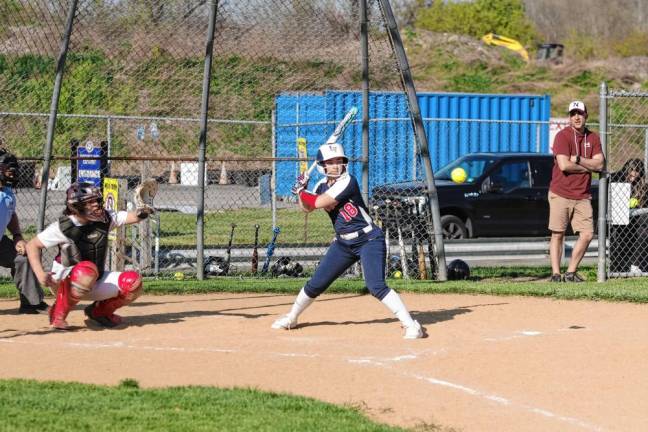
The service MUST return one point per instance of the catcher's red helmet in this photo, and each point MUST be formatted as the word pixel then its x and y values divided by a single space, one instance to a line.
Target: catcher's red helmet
pixel 77 197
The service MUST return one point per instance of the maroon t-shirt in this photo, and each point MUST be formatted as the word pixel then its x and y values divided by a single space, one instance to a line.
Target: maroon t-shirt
pixel 570 142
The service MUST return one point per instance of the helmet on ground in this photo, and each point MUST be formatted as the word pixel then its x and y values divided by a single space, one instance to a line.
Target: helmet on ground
pixel 8 168
pixel 286 266
pixel 81 193
pixel 216 266
pixel 458 270
pixel 328 152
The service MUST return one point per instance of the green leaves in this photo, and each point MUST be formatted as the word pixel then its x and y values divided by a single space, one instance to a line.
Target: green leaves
pixel 504 17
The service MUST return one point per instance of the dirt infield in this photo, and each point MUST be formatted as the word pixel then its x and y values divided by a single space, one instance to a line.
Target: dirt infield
pixel 489 363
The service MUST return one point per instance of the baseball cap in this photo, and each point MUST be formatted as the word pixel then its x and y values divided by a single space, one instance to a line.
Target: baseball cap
pixel 577 105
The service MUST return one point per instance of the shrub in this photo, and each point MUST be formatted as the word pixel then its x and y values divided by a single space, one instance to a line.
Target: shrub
pixel 635 44
pixel 504 17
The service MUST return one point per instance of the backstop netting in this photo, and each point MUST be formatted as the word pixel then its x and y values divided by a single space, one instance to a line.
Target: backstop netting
pixel 283 74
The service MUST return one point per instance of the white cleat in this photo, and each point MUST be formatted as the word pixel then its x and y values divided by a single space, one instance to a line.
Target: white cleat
pixel 285 322
pixel 414 331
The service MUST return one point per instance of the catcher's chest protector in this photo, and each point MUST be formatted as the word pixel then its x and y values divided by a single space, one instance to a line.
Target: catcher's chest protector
pixel 91 239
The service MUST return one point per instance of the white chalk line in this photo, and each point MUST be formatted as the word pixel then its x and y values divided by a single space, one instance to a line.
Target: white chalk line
pixel 516 335
pixel 476 393
pixel 123 345
pixel 385 363
pixel 507 402
pixel 529 333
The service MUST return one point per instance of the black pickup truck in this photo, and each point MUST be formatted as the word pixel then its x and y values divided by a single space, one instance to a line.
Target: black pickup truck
pixel 504 195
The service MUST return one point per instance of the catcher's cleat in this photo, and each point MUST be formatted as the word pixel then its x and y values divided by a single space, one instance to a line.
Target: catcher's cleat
pixel 285 322
pixel 56 321
pixel 111 321
pixel 415 331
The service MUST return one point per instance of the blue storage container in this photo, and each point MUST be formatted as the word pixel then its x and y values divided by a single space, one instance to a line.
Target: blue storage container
pixel 455 123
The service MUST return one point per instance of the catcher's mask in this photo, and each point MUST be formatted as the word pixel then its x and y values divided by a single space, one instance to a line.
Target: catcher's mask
pixel 286 266
pixel 458 270
pixel 8 168
pixel 331 151
pixel 78 196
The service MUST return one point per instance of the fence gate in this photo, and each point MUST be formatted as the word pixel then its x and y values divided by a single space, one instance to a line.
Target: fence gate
pixel 627 165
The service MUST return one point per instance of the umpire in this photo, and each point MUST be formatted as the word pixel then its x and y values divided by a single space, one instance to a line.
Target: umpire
pixel 12 251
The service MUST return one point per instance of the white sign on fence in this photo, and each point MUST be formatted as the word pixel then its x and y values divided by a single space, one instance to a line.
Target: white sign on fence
pixel 189 174
pixel 619 203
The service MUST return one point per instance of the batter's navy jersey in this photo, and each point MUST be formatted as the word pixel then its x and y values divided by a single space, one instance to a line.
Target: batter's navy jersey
pixel 350 214
pixel 363 241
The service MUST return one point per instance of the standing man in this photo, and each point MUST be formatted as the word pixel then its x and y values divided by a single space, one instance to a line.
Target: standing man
pixel 13 251
pixel 577 153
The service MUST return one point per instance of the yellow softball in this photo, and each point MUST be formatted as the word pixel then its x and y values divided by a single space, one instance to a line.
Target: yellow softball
pixel 458 175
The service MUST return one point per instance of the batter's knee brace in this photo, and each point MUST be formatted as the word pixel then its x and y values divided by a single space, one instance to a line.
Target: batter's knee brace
pixel 83 277
pixel 130 285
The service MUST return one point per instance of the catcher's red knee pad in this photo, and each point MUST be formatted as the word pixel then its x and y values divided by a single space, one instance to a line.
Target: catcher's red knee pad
pixel 83 277
pixel 130 284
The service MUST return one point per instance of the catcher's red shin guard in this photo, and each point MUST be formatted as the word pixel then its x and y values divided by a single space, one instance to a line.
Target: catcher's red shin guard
pixel 103 312
pixel 70 291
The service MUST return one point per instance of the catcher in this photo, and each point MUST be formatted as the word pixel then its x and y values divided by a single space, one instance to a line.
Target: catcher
pixel 81 234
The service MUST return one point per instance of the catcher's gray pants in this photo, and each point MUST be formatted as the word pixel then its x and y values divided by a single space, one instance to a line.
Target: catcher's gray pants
pixel 24 278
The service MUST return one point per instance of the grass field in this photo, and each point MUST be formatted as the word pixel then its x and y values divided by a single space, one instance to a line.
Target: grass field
pixel 53 406
pixel 180 229
pixel 524 281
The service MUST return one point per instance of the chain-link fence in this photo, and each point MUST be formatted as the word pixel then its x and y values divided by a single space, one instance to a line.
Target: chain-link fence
pixel 131 106
pixel 627 163
pixel 283 74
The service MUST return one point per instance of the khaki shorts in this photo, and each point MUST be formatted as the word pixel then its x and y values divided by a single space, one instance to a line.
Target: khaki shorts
pixel 562 211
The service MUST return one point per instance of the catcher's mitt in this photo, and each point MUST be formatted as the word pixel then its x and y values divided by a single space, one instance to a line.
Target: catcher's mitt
pixel 143 197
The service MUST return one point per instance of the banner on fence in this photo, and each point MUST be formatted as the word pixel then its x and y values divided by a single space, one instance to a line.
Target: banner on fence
pixel 111 198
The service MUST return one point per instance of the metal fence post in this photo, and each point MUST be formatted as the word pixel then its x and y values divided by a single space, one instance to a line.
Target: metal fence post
pixel 603 190
pixel 273 174
pixel 204 110
pixel 646 150
pixel 419 131
pixel 47 151
pixel 364 53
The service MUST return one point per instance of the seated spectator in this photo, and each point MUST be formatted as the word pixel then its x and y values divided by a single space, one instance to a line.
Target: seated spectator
pixel 628 244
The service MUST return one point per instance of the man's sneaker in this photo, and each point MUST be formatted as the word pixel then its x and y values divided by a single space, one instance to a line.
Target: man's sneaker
pixel 415 331
pixel 556 278
pixel 573 277
pixel 285 322
pixel 105 321
pixel 26 308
